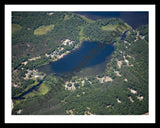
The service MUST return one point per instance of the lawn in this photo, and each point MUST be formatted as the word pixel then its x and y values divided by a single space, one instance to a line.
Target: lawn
pixel 43 29
pixel 109 27
pixel 16 27
pixel 43 89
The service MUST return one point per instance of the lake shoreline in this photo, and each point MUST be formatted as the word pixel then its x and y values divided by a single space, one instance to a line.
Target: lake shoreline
pixel 76 56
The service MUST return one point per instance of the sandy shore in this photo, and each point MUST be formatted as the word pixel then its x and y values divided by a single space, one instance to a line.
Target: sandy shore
pixel 64 54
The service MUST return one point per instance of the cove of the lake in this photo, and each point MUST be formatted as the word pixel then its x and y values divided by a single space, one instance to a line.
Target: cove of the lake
pixel 68 62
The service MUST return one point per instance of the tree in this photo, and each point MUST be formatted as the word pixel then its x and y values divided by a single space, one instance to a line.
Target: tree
pixel 69 84
pixel 76 84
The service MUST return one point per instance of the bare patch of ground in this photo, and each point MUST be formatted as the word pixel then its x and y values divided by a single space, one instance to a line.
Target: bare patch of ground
pixel 119 63
pixel 130 98
pixel 132 91
pixel 70 112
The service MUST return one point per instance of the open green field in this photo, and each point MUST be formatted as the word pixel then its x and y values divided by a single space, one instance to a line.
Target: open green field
pixel 111 27
pixel 16 27
pixel 43 29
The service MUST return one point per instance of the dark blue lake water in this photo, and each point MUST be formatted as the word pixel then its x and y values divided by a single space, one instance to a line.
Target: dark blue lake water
pixel 68 62
pixel 134 19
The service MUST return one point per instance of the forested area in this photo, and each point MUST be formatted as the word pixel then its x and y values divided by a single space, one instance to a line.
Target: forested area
pixel 102 98
pixel 108 93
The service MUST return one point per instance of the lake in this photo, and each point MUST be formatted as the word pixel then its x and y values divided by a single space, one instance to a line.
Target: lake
pixel 134 19
pixel 68 62
pixel 98 63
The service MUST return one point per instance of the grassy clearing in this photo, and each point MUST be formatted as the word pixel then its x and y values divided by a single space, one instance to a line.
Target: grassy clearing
pixel 43 89
pixel 43 29
pixel 16 27
pixel 66 17
pixel 111 27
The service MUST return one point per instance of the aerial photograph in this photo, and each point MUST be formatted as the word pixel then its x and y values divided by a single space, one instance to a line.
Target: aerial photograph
pixel 80 63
